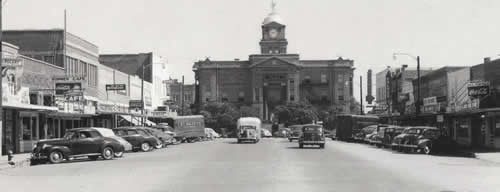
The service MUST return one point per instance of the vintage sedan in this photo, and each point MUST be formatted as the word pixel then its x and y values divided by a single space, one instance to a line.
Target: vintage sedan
pixel 385 134
pixel 164 138
pixel 312 135
pixel 423 139
pixel 138 137
pixel 80 142
pixel 360 137
pixel 109 133
pixel 296 131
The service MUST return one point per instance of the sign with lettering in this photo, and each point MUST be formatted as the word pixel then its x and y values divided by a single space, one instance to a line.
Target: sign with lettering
pixel 135 104
pixel 115 87
pixel 430 101
pixel 478 89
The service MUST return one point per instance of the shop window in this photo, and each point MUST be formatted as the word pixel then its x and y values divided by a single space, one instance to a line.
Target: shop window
pixel 47 100
pixel 462 128
pixel 34 98
pixel 26 127
pixel 497 127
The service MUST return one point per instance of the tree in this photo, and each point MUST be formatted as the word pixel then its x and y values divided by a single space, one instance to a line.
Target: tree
pixel 296 113
pixel 224 115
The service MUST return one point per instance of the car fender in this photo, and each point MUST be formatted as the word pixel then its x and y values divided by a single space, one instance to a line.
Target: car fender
pixel 423 142
pixel 117 147
pixel 63 149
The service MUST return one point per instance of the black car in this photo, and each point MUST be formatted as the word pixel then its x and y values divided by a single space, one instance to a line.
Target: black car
pixel 78 142
pixel 140 139
pixel 312 135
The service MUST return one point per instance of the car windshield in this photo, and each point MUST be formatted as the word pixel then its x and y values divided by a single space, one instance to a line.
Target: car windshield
pixel 70 135
pixel 312 129
pixel 106 132
pixel 247 127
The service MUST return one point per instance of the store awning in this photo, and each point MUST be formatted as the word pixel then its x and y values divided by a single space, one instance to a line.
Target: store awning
pixel 136 120
pixel 29 107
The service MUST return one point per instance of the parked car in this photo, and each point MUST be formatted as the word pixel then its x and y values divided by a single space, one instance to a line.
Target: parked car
pixel 165 138
pixel 211 133
pixel 78 142
pixel 424 139
pixel 312 135
pixel 385 135
pixel 296 131
pixel 109 133
pixel 283 132
pixel 360 136
pixel 138 137
pixel 266 133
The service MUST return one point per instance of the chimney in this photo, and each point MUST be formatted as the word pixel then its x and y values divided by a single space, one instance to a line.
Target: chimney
pixel 487 59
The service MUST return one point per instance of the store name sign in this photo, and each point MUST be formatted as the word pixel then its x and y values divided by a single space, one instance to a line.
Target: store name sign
pixel 430 101
pixel 478 89
pixel 115 87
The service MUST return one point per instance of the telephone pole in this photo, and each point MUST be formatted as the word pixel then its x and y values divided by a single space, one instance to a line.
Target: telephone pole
pixel 361 111
pixel 182 96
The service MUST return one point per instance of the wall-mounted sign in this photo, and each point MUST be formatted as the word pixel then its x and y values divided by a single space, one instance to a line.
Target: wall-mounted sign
pixel 430 101
pixel 478 89
pixel 115 87
pixel 439 118
pixel 69 84
pixel 135 104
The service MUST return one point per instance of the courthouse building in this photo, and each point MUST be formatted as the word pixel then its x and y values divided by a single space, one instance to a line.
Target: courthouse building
pixel 275 76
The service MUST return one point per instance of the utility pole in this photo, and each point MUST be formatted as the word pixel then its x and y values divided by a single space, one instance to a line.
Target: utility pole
pixel 142 94
pixel 182 96
pixel 417 102
pixel 361 94
pixel 1 77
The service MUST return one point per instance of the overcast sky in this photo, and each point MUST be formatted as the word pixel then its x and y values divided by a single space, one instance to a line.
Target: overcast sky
pixel 442 32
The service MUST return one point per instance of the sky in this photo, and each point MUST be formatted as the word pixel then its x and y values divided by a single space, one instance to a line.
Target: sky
pixel 441 32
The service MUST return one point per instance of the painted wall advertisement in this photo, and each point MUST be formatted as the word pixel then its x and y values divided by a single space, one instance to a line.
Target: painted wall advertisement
pixel 69 94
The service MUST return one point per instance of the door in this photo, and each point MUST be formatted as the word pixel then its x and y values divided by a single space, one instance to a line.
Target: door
pixel 477 138
pixel 87 142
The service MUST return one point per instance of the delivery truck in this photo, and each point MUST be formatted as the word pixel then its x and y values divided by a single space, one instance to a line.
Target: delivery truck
pixel 188 128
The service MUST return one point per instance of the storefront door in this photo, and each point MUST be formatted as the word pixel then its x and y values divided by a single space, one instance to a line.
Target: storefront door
pixel 9 132
pixel 477 137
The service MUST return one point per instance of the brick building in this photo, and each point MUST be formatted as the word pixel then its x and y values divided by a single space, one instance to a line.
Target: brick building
pixel 275 76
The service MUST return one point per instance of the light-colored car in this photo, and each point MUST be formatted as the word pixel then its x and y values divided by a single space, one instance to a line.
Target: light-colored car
pixel 266 133
pixel 109 133
pixel 211 134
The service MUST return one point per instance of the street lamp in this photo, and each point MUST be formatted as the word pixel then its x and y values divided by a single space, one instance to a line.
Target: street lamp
pixel 417 58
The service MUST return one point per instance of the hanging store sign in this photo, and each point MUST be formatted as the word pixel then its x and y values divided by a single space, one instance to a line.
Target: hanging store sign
pixel 478 89
pixel 115 87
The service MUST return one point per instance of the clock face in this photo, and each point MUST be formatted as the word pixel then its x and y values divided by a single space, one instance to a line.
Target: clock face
pixel 273 33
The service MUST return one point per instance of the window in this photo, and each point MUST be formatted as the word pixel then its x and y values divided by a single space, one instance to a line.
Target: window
pixel 257 94
pixel 26 127
pixel 497 127
pixel 462 126
pixel 323 78
pixel 340 78
pixel 49 59
pixel 131 132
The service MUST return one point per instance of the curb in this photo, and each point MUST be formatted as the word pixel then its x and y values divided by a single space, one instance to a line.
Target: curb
pixel 18 164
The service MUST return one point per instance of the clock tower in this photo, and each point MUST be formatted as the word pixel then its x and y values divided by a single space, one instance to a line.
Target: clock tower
pixel 273 34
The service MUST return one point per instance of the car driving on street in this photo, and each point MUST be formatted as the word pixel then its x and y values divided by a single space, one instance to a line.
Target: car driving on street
pixel 80 142
pixel 312 135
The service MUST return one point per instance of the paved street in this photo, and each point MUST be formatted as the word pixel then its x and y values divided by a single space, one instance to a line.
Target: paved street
pixel 271 165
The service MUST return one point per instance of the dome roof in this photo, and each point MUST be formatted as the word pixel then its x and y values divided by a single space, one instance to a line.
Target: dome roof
pixel 273 16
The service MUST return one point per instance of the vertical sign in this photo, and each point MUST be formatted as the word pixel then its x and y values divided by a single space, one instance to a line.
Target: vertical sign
pixel 369 96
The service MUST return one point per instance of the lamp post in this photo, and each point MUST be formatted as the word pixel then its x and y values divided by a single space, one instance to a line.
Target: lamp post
pixel 417 58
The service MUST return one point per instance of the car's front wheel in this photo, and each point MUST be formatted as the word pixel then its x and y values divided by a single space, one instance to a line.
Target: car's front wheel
pixel 119 154
pixel 145 147
pixel 108 153
pixel 56 157
pixel 427 149
pixel 158 146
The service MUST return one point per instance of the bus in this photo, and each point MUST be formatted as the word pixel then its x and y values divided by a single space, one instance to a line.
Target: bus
pixel 347 126
pixel 248 129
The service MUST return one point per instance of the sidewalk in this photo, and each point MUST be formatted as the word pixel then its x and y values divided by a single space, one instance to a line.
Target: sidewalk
pixel 20 160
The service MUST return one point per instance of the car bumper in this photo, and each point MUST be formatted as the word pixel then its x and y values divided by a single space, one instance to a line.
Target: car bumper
pixel 38 156
pixel 312 142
